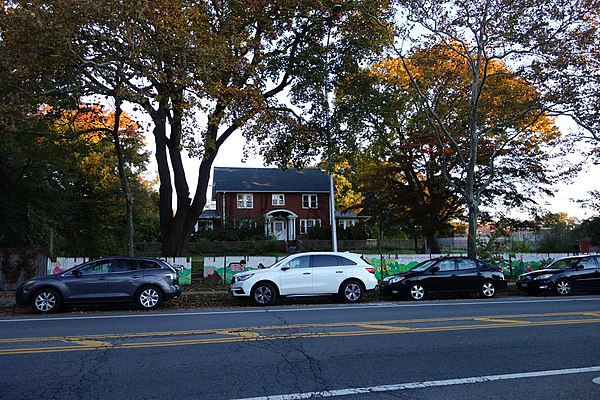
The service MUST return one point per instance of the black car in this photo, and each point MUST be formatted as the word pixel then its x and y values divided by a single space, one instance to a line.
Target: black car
pixel 146 281
pixel 455 275
pixel 563 277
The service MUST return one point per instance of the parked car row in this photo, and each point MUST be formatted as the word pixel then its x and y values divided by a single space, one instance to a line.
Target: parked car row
pixel 347 276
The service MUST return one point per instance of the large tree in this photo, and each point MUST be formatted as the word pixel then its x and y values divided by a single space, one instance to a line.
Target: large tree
pixel 384 110
pixel 203 70
pixel 531 37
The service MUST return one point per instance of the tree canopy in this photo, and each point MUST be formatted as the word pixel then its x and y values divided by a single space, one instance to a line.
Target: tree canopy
pixel 531 41
pixel 201 70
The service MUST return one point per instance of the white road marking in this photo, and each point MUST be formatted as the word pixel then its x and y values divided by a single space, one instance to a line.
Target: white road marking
pixel 596 380
pixel 446 303
pixel 426 384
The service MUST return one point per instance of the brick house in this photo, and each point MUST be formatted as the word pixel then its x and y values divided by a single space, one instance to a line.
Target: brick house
pixel 288 202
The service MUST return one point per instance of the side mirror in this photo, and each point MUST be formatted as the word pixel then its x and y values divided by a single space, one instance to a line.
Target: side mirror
pixel 435 269
pixel 77 273
pixel 285 267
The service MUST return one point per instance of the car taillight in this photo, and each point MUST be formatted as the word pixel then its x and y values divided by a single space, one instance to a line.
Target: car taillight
pixel 370 269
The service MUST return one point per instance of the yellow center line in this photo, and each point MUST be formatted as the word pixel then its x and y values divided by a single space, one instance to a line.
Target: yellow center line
pixel 298 331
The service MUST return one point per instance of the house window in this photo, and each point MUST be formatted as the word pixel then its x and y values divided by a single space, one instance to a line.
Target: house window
pixel 245 200
pixel 204 225
pixel 245 224
pixel 306 224
pixel 309 201
pixel 346 223
pixel 278 199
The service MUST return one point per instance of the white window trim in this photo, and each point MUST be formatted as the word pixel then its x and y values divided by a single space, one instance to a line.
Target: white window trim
pixel 304 225
pixel 278 199
pixel 245 201
pixel 309 196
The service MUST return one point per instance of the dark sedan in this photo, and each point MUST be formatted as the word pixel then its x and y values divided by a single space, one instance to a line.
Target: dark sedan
pixel 446 275
pixel 563 277
pixel 146 281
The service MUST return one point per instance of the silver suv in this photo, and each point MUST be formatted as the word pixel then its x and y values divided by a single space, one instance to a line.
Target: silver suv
pixel 146 281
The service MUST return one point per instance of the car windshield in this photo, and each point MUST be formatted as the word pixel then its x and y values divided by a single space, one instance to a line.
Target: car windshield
pixel 423 266
pixel 279 262
pixel 564 263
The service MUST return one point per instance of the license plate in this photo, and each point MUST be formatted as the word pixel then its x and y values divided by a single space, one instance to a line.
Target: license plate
pixel 523 285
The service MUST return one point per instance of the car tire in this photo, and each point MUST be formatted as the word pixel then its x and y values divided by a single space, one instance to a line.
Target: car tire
pixel 351 291
pixel 417 291
pixel 46 301
pixel 149 297
pixel 263 294
pixel 487 289
pixel 564 287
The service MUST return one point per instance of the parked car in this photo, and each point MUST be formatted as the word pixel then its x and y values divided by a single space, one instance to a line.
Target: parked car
pixel 147 281
pixel 446 275
pixel 563 277
pixel 307 274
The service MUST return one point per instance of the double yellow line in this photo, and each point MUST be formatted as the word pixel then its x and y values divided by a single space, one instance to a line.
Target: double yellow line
pixel 16 346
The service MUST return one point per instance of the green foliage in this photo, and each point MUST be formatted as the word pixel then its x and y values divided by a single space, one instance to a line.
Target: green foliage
pixel 62 186
pixel 590 228
pixel 319 233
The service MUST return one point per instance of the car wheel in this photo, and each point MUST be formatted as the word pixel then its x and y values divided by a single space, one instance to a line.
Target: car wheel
pixel 46 301
pixel 563 287
pixel 417 291
pixel 263 294
pixel 351 292
pixel 488 289
pixel 149 298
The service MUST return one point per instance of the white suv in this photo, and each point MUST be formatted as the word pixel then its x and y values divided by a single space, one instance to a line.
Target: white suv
pixel 307 274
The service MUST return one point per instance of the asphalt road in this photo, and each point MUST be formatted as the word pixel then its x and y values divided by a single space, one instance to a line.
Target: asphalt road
pixel 509 347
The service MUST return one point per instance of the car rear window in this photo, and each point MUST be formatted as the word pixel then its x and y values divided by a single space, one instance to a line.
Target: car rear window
pixel 466 263
pixel 323 261
pixel 345 261
pixel 123 265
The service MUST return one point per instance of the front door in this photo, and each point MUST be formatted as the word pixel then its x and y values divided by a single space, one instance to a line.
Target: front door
pixel 279 230
pixel 296 277
pixel 89 282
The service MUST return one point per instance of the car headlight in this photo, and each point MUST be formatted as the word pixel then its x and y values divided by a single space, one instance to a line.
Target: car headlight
pixel 395 279
pixel 542 277
pixel 242 278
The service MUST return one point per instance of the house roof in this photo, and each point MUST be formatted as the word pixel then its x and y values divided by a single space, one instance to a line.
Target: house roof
pixel 272 180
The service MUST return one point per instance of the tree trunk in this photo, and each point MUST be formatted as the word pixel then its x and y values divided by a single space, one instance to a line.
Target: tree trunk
pixel 177 226
pixel 472 231
pixel 123 178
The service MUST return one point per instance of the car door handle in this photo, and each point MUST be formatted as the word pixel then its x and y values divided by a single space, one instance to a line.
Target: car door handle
pixel 339 272
pixel 102 278
pixel 135 276
pixel 306 273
